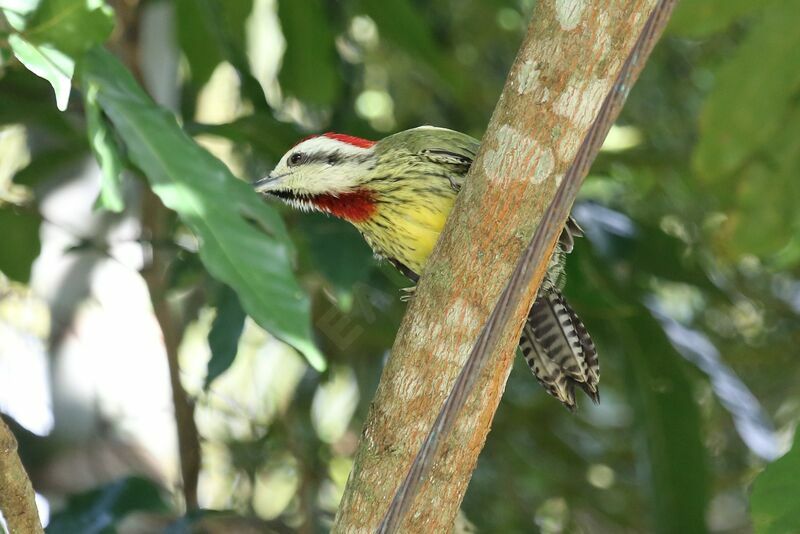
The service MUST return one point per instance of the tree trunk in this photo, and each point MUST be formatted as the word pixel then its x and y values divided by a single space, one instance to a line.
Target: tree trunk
pixel 17 501
pixel 573 53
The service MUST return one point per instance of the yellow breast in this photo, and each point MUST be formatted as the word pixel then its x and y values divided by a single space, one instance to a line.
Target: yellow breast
pixel 408 231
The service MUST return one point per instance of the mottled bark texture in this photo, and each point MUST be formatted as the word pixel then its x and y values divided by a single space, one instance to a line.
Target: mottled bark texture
pixel 573 52
pixel 17 500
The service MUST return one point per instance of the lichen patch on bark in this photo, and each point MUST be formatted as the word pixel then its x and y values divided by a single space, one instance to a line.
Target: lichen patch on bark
pixel 568 13
pixel 518 156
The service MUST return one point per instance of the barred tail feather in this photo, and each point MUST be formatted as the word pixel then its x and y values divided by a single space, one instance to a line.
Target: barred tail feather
pixel 559 350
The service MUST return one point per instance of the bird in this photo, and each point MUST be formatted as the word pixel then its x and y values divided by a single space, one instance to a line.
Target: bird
pixel 398 192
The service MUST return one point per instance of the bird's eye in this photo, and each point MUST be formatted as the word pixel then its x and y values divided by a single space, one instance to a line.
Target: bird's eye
pixel 295 158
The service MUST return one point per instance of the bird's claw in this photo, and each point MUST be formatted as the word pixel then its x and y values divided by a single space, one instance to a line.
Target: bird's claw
pixel 408 293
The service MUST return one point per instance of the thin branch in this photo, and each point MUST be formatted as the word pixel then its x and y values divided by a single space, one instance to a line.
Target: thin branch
pixel 155 219
pixel 156 230
pixel 17 500
pixel 530 265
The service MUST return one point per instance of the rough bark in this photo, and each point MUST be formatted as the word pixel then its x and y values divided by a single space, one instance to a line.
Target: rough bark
pixel 17 500
pixel 573 52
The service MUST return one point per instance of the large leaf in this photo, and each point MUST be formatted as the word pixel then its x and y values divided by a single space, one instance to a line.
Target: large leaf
pixel 775 501
pixel 243 242
pixel 669 422
pixel 752 92
pixel 19 242
pixel 48 63
pixel 309 70
pixel 699 18
pixel 99 511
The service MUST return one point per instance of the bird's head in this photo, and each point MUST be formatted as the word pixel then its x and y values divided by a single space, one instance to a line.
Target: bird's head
pixel 325 173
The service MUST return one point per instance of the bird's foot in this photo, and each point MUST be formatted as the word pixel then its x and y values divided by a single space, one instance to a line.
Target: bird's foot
pixel 407 293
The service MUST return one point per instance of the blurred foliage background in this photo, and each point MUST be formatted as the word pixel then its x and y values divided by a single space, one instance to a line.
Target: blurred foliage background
pixel 115 272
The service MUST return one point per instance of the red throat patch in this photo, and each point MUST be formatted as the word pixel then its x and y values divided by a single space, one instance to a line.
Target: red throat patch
pixel 357 206
pixel 350 140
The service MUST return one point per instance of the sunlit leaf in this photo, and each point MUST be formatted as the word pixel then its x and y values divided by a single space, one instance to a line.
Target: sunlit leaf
pixel 19 242
pixel 223 339
pixel 773 503
pixel 21 7
pixel 309 69
pixel 99 511
pixel 243 242
pixel 16 11
pixel 106 151
pixel 48 63
pixel 753 89
pixel 71 26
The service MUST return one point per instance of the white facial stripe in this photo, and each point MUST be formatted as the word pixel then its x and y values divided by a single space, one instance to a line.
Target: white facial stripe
pixel 322 144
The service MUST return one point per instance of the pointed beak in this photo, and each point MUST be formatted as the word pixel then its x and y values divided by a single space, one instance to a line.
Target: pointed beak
pixel 267 183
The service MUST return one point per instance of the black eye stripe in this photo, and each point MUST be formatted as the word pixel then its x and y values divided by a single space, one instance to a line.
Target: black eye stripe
pixel 299 158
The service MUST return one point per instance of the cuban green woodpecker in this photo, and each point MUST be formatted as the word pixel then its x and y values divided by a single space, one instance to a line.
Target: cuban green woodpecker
pixel 398 193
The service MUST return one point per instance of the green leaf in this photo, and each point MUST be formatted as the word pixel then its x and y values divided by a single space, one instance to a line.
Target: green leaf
pixel 749 102
pixel 71 26
pixel 700 18
pixel 243 242
pixel 767 190
pixel 223 339
pixel 106 151
pixel 19 242
pixel 669 422
pixel 99 511
pixel 48 63
pixel 309 63
pixel 774 501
